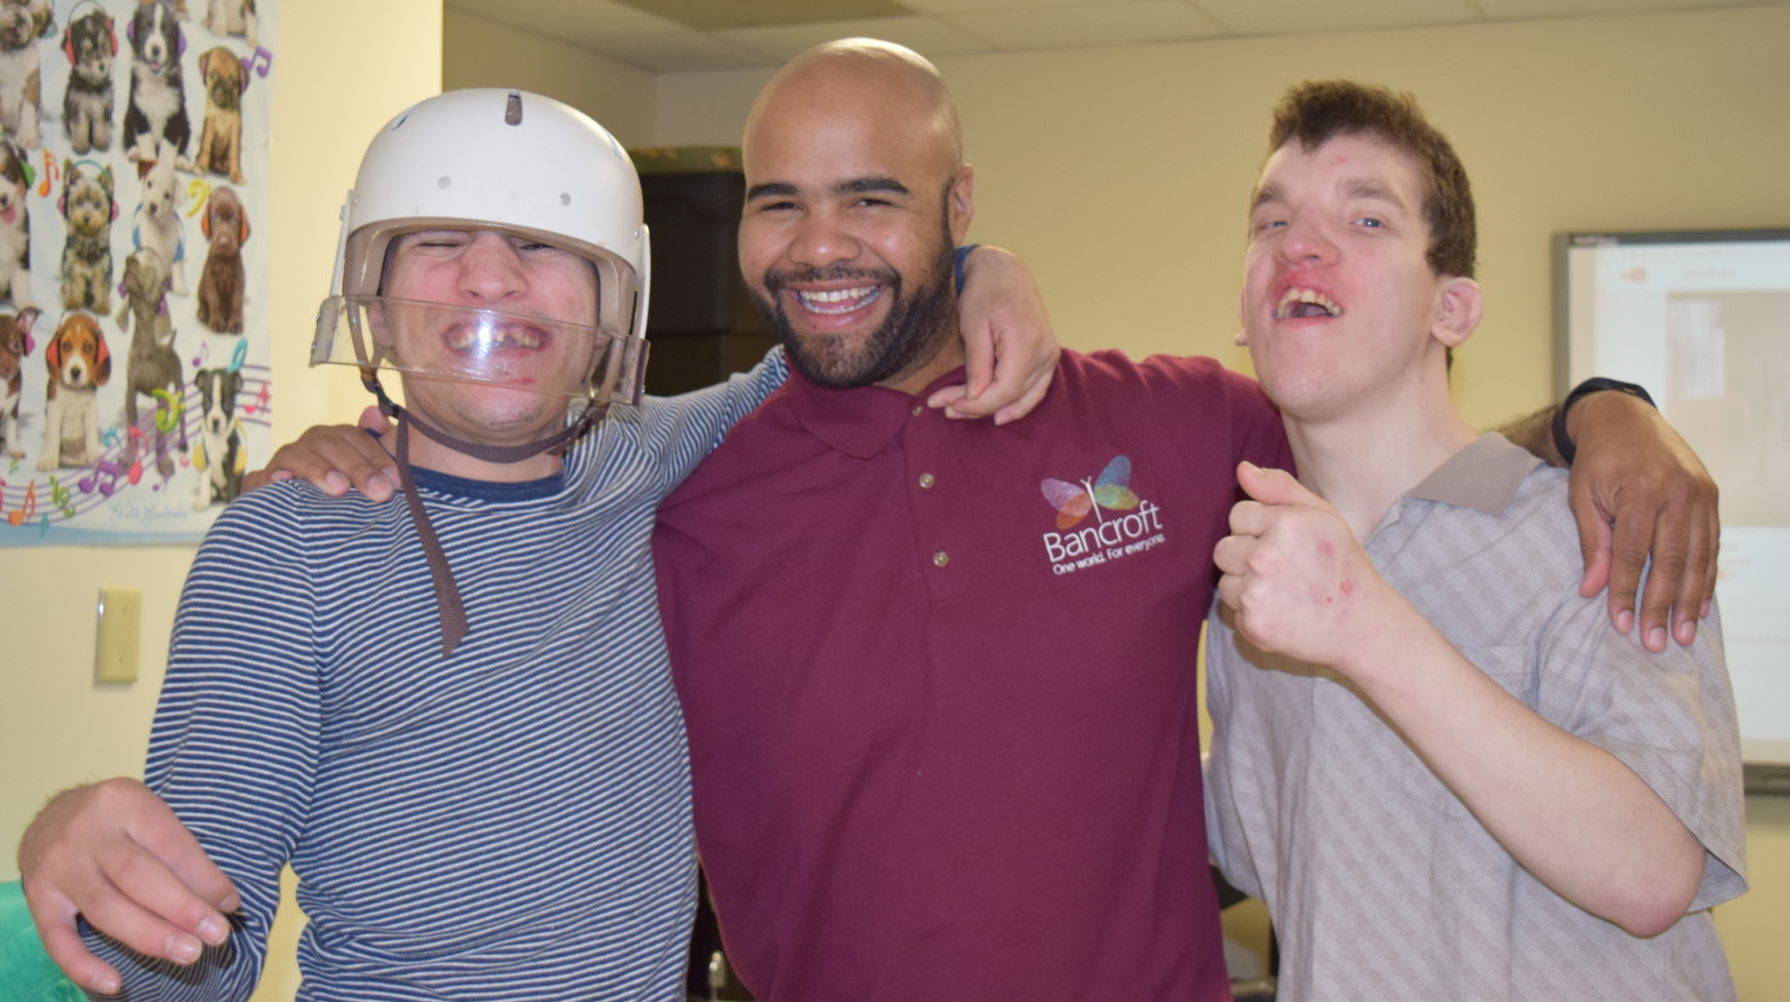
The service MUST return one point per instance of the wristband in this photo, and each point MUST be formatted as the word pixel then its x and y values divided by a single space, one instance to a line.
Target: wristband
pixel 962 255
pixel 1562 441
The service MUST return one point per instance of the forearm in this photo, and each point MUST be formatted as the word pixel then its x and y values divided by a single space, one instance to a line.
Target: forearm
pixel 1570 813
pixel 1534 432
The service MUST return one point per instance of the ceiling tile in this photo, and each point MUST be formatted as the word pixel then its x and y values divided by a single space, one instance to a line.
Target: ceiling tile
pixel 954 7
pixel 1574 8
pixel 926 35
pixel 708 15
pixel 685 53
pixel 577 23
pixel 1074 27
pixel 1299 17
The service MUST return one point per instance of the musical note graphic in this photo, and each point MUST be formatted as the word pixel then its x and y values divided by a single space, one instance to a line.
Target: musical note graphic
pixel 104 477
pixel 200 192
pixel 204 351
pixel 259 404
pixel 109 437
pixel 26 510
pixel 259 63
pixel 168 417
pixel 51 172
pixel 61 497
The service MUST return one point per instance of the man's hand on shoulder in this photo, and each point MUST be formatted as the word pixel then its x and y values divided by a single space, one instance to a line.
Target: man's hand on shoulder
pixel 1637 489
pixel 1010 351
pixel 335 457
pixel 113 853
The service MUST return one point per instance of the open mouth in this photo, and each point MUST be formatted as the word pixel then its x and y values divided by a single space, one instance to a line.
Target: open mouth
pixel 1298 304
pixel 834 302
pixel 485 340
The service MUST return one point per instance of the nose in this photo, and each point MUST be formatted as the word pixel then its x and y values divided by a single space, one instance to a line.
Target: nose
pixel 822 240
pixel 491 271
pixel 1306 240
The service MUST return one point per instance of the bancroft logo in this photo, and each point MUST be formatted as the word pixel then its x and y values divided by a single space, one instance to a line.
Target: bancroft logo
pixel 1110 538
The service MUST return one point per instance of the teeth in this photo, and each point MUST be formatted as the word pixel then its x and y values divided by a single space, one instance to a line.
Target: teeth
pixel 466 337
pixel 1292 298
pixel 838 300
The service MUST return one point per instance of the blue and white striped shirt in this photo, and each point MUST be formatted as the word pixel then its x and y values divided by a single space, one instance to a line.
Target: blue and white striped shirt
pixel 512 822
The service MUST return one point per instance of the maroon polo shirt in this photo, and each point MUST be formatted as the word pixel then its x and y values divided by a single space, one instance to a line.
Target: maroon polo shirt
pixel 939 683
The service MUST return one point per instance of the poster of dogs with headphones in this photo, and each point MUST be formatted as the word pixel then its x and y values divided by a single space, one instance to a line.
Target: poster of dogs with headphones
pixel 133 295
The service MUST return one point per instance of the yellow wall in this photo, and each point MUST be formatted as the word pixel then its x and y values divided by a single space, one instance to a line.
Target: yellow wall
pixel 338 77
pixel 1121 175
pixel 1116 172
pixel 481 53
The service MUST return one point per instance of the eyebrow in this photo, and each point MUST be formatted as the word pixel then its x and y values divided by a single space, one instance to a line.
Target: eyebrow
pixel 1269 192
pixel 1374 189
pixel 852 186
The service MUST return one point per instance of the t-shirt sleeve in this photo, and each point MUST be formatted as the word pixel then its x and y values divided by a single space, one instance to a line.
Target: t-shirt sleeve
pixel 234 746
pixel 1669 716
pixel 691 425
pixel 1199 393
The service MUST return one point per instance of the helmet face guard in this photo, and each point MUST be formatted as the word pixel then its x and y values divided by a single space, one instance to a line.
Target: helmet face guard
pixel 510 162
pixel 486 347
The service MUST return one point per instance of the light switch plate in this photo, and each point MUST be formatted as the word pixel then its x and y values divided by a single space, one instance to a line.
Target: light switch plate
pixel 120 626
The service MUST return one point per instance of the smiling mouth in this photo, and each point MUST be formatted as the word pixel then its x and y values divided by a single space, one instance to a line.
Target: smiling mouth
pixel 834 302
pixel 469 337
pixel 1297 304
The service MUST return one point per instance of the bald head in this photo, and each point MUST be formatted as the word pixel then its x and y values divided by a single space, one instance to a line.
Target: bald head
pixel 856 191
pixel 865 81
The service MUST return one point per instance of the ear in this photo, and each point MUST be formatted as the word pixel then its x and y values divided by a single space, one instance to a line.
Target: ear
pixel 102 358
pixel 1458 308
pixel 53 354
pixel 27 317
pixel 960 203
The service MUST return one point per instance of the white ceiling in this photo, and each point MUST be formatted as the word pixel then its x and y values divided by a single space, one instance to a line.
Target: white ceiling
pixel 694 35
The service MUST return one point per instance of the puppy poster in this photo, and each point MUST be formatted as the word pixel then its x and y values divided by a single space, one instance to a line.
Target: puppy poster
pixel 133 284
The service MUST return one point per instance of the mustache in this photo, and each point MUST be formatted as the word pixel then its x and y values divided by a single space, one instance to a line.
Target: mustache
pixel 775 280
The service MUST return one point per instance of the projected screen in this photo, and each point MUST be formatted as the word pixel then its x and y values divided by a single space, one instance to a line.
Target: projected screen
pixel 1702 319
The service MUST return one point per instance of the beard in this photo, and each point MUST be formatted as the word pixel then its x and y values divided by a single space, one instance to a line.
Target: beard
pixel 918 323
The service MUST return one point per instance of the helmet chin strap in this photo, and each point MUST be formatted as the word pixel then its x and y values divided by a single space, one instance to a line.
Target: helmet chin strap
pixel 450 610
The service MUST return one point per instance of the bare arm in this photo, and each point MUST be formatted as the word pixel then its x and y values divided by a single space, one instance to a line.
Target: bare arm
pixel 1011 351
pixel 1637 489
pixel 1569 812
pixel 113 853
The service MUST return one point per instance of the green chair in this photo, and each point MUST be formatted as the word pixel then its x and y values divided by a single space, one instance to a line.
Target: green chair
pixel 26 973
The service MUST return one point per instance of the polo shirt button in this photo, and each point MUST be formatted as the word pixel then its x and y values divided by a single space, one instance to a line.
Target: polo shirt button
pixel 919 409
pixel 926 481
pixel 941 558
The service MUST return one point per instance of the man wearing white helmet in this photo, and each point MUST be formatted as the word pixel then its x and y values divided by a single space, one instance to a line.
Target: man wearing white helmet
pixel 432 794
pixel 452 717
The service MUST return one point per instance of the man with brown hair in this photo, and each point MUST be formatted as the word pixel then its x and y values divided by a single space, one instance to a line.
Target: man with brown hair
pixel 1433 759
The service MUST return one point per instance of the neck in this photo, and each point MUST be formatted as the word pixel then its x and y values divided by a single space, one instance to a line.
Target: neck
pixel 948 355
pixel 428 454
pixel 1364 460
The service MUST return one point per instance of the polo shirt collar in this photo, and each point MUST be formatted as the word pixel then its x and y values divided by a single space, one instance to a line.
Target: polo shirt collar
pixel 1483 476
pixel 859 422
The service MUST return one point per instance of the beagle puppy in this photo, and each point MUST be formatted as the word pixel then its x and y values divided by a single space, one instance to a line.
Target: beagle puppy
pixel 79 365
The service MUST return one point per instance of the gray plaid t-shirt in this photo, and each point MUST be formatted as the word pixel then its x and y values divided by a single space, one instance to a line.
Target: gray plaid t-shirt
pixel 1381 884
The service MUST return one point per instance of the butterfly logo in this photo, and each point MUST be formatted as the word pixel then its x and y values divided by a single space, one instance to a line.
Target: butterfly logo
pixel 1111 490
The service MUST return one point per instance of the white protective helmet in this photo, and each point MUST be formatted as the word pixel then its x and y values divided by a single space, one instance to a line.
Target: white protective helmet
pixel 504 160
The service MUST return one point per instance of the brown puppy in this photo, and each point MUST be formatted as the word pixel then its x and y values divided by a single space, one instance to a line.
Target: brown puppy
pixel 226 228
pixel 220 139
pixel 15 343
pixel 79 365
pixel 152 363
